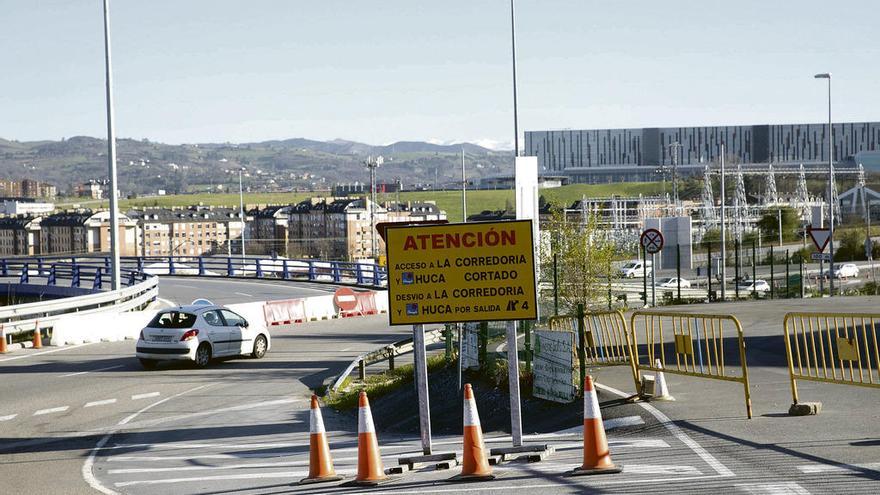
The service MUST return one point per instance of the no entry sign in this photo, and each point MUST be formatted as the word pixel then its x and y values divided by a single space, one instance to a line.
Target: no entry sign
pixel 652 241
pixel 345 299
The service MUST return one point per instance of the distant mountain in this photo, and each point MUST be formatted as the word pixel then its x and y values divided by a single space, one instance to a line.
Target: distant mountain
pixel 297 163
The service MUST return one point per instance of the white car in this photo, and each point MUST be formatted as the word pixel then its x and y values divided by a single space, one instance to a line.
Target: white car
pixel 198 333
pixel 846 270
pixel 756 286
pixel 636 268
pixel 672 283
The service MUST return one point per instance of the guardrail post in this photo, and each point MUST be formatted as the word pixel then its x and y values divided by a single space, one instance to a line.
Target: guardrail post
pixel 201 266
pixel 23 279
pixel 286 272
pixel 140 262
pixel 229 271
pixel 311 270
pixel 130 279
pixel 360 274
pixel 337 274
pixel 391 360
pixel 51 279
pixel 171 265
pixel 98 283
pixel 582 351
pixel 74 277
pixel 107 263
pixel 4 268
pixel 259 271
pixel 362 370
pixel 39 267
pixel 376 272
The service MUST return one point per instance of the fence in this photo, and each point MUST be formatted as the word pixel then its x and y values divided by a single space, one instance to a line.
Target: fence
pixel 697 342
pixel 842 345
pixel 340 272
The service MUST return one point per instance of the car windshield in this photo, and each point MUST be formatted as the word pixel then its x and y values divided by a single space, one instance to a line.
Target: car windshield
pixel 629 265
pixel 173 319
pixel 664 280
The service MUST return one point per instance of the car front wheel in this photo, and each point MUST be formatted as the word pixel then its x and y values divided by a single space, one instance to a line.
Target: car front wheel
pixel 260 347
pixel 203 355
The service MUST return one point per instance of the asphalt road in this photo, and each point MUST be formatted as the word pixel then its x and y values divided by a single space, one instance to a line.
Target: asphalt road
pixel 87 419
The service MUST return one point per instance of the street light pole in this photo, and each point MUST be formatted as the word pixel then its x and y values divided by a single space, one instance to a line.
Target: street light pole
pixel 373 165
pixel 111 156
pixel 241 214
pixel 513 49
pixel 830 187
pixel 463 189
pixel 723 234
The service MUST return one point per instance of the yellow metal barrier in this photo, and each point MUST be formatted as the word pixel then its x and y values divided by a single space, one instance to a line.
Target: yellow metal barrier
pixel 604 334
pixel 690 344
pixel 832 348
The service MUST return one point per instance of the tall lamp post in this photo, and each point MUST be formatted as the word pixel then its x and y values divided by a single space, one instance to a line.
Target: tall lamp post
pixel 241 213
pixel 111 155
pixel 830 187
pixel 373 165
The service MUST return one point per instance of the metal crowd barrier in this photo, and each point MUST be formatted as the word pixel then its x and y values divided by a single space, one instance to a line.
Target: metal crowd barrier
pixel 689 344
pixel 832 348
pixel 604 336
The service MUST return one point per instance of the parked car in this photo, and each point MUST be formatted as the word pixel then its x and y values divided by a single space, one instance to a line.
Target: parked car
pixel 200 332
pixel 672 283
pixel 846 270
pixel 636 268
pixel 757 286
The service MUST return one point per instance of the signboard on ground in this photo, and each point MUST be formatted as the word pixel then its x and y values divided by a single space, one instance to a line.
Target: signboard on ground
pixel 553 366
pixel 470 346
pixel 483 271
pixel 820 256
pixel 652 241
pixel 820 237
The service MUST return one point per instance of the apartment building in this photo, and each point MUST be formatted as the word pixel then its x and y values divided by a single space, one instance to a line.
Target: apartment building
pixel 187 231
pixel 27 188
pixel 268 233
pixel 20 236
pixel 85 232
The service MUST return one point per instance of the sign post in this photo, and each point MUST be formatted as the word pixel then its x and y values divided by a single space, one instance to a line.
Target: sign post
pixel 456 273
pixel 652 242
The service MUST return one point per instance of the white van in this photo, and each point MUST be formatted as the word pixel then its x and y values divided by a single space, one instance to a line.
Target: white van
pixel 636 268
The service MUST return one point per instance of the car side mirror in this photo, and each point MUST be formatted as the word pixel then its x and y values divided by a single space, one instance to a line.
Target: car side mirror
pixel 244 324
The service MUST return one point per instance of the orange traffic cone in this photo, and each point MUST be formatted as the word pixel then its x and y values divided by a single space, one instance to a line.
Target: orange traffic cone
pixel 370 471
pixel 38 339
pixel 597 458
pixel 2 340
pixel 320 462
pixel 475 463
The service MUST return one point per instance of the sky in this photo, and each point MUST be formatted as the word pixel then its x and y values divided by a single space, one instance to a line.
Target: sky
pixel 391 70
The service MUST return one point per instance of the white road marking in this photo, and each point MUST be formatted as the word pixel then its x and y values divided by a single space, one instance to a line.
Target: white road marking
pixel 187 286
pixel 243 294
pixel 145 396
pixel 346 349
pixel 837 468
pixel 610 424
pixel 788 488
pixel 248 476
pixel 92 371
pixel 169 302
pixel 51 410
pixel 87 473
pixel 8 417
pixel 304 462
pixel 243 407
pixel 45 352
pixel 708 458
pixel 100 403
pixel 594 482
pixel 629 468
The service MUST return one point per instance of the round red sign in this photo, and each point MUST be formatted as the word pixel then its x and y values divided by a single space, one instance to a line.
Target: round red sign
pixel 345 299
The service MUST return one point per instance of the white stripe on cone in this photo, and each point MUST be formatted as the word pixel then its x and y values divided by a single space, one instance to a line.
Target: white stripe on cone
pixel 316 421
pixel 591 405
pixel 365 420
pixel 471 416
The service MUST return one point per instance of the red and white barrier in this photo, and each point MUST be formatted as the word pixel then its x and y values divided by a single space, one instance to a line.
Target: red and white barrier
pixel 284 312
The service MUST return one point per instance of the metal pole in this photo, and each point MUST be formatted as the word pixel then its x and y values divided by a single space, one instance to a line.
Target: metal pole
pixel 582 346
pixel 723 234
pixel 801 271
pixel 787 275
pixel 463 190
pixel 555 287
pixel 115 282
pixel 653 280
pixel 736 268
pixel 754 270
pixel 243 217
pixel 421 372
pixel 678 268
pixel 644 274
pixel 513 50
pixel 373 253
pixel 460 327
pixel 831 200
pixel 709 271
pixel 513 380
pixel 779 215
pixel 772 274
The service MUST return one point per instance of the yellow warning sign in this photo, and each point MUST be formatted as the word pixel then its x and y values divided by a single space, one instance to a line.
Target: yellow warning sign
pixel 461 272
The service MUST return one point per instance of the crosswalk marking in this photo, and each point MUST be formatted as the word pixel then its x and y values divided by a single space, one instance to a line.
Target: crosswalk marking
pixel 51 410
pixel 8 417
pixel 100 402
pixel 144 396
pixel 788 488
pixel 837 468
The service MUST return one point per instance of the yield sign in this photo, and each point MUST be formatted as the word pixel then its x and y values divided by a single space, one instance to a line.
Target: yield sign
pixel 820 237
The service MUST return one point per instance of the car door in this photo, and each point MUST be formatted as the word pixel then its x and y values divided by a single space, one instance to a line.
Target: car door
pixel 238 331
pixel 218 333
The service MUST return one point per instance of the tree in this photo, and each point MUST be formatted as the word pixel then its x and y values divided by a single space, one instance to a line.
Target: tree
pixel 583 260
pixel 769 223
